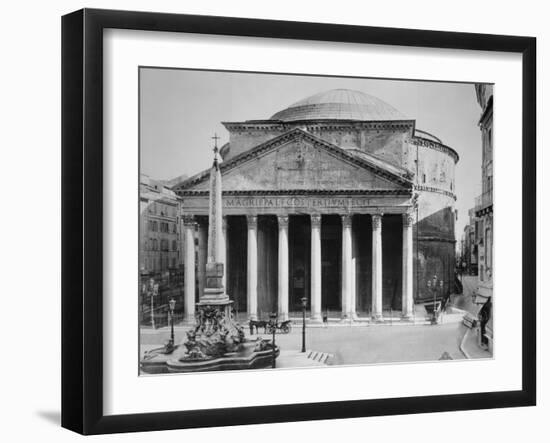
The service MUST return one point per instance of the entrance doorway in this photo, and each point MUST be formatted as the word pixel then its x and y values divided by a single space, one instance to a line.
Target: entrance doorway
pixel 299 233
pixel 331 264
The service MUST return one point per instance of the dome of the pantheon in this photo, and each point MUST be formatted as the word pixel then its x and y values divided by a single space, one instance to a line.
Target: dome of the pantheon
pixel 340 104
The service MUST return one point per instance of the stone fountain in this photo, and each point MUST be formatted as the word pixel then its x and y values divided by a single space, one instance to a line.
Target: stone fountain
pixel 217 341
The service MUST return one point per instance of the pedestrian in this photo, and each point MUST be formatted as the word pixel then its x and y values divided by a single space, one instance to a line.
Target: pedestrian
pixel 484 315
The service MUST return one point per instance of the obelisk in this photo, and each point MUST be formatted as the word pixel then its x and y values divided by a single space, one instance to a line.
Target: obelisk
pixel 214 292
pixel 215 332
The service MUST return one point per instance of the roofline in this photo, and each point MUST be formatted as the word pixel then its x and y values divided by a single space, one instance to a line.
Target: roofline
pixel 439 146
pixel 317 121
pixel 421 131
pixel 203 192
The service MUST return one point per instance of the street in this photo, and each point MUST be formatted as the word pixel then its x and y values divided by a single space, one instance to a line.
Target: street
pixel 369 343
pixel 360 344
pixel 464 300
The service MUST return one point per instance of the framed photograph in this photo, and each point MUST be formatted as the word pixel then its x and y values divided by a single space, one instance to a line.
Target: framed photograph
pixel 270 221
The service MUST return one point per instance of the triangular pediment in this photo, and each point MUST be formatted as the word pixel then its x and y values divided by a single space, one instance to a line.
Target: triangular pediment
pixel 298 160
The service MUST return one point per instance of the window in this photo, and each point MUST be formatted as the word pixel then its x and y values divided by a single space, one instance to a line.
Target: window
pixel 174 245
pixel 423 178
pixel 488 250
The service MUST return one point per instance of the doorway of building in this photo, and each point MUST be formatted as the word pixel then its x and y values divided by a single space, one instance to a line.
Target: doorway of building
pixel 331 264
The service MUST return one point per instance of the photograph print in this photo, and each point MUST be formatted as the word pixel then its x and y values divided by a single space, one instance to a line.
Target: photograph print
pixel 296 221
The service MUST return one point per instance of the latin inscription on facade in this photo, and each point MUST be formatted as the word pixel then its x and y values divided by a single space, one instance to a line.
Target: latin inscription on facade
pixel 285 204
pixel 296 202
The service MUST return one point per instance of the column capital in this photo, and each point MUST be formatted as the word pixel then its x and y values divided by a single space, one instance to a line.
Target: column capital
pixel 283 221
pixel 408 220
pixel 252 221
pixel 202 221
pixel 346 220
pixel 376 221
pixel 189 220
pixel 315 220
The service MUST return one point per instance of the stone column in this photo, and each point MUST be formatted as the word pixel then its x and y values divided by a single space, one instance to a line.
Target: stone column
pixel 407 279
pixel 354 252
pixel 223 250
pixel 282 279
pixel 346 267
pixel 377 267
pixel 316 267
pixel 252 267
pixel 189 268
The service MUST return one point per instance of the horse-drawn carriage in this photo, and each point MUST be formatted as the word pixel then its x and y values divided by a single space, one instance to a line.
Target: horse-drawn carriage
pixel 283 327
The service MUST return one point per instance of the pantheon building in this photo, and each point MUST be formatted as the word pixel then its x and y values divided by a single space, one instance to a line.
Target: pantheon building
pixel 338 198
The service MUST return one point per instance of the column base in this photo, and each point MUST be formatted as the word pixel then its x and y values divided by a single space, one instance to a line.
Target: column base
pixel 407 317
pixel 283 316
pixel 349 318
pixel 377 318
pixel 316 320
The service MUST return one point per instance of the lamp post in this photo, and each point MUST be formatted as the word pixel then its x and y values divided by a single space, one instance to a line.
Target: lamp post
pixel 304 304
pixel 273 323
pixel 169 348
pixel 151 290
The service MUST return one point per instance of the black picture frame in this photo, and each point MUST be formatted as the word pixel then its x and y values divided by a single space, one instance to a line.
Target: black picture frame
pixel 82 218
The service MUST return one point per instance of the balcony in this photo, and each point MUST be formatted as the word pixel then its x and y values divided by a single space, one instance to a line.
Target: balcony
pixel 484 201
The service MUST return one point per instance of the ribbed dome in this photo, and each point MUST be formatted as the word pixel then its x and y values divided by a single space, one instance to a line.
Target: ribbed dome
pixel 340 104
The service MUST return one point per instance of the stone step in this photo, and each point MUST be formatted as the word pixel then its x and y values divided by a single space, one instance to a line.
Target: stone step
pixel 321 357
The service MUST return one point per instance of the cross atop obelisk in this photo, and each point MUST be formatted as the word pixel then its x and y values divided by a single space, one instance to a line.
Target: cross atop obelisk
pixel 215 138
pixel 215 164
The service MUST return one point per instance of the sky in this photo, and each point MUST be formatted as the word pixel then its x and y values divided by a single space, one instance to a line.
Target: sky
pixel 181 110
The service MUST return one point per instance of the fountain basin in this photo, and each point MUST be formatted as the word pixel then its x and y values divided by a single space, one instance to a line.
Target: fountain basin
pixel 246 358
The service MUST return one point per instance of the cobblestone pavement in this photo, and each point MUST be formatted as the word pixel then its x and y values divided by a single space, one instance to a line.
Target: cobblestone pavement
pixel 363 344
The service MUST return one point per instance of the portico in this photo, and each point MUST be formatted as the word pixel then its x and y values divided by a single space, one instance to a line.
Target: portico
pixel 281 265
pixel 304 218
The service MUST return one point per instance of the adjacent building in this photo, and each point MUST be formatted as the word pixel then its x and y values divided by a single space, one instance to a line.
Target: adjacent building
pixel 338 198
pixel 484 209
pixel 469 245
pixel 159 234
pixel 159 250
